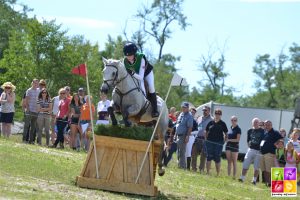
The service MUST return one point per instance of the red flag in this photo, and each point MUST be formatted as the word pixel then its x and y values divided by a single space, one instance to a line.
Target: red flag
pixel 79 70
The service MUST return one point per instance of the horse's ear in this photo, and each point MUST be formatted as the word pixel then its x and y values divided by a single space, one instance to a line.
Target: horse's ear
pixel 104 60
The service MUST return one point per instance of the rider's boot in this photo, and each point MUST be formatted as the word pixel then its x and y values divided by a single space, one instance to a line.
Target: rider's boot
pixel 153 102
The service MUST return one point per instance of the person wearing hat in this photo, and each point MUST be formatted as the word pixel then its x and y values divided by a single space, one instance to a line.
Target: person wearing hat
pixel 7 100
pixel 199 143
pixel 137 65
pixel 184 126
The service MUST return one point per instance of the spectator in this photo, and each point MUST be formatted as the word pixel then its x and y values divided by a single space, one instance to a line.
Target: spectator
pixel 42 84
pixel 216 132
pixel 81 95
pixel 7 100
pixel 85 118
pixel 291 155
pixel 61 118
pixel 1 90
pixel 184 127
pixel 280 154
pixel 296 143
pixel 267 149
pixel 169 144
pixel 44 108
pixel 283 134
pixel 189 145
pixel 102 106
pixel 68 92
pixel 55 103
pixel 75 128
pixel 172 115
pixel 232 146
pixel 254 137
pixel 199 143
pixel 31 111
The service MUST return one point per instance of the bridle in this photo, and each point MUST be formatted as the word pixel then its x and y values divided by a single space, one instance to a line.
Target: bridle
pixel 114 80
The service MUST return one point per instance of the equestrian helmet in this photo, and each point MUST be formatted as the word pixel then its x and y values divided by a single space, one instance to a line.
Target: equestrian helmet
pixel 129 49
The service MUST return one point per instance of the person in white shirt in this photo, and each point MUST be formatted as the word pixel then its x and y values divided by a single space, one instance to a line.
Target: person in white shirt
pixel 102 106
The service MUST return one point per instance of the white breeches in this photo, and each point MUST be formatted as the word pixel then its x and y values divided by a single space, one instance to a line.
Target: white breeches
pixel 150 80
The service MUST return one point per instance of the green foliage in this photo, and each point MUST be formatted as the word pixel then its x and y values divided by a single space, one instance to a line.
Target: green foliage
pixel 134 132
pixel 277 79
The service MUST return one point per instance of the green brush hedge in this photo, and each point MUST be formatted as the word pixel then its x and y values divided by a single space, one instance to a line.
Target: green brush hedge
pixel 134 132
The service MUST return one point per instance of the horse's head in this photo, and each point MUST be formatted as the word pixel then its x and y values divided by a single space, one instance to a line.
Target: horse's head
pixel 113 73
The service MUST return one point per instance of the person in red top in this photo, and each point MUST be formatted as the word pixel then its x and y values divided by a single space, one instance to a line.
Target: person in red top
pixel 172 115
pixel 85 118
pixel 62 118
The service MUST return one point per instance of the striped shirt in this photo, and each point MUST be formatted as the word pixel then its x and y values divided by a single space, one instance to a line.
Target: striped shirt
pixel 44 104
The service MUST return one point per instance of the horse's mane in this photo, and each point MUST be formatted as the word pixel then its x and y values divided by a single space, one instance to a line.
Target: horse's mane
pixel 115 62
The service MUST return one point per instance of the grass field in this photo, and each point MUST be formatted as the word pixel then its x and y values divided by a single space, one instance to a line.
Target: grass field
pixel 34 172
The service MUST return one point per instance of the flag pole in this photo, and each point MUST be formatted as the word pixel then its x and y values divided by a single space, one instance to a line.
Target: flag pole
pixel 91 116
pixel 156 125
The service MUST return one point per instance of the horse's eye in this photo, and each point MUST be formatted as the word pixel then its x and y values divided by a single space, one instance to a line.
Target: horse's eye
pixel 113 74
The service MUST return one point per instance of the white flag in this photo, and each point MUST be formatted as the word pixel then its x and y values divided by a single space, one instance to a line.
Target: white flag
pixel 178 80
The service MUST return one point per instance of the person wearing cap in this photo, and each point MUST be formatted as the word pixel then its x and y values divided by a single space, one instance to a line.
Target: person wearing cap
pixel 199 143
pixel 184 126
pixel 7 100
pixel 216 134
pixel 189 145
pixel 137 65
pixel 267 149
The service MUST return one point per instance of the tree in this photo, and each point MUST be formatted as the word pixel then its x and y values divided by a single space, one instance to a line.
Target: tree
pixel 277 84
pixel 157 19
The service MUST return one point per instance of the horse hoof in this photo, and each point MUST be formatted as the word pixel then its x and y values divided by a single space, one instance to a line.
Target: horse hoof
pixel 161 172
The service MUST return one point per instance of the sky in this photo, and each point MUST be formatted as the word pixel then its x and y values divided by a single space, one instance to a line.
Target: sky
pixel 242 29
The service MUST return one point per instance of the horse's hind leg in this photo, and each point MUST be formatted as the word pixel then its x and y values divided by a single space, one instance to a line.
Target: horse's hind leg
pixel 111 113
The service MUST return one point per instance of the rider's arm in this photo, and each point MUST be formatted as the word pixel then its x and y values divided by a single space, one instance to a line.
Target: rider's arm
pixel 140 76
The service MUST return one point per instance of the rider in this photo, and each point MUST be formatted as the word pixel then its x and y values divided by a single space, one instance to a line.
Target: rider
pixel 137 65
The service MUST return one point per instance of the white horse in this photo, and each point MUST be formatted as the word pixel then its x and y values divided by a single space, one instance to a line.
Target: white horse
pixel 129 99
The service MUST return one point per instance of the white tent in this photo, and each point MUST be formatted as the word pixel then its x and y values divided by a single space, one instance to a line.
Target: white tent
pixel 279 118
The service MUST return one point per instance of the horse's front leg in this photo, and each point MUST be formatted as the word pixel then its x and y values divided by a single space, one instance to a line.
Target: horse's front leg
pixel 111 113
pixel 125 115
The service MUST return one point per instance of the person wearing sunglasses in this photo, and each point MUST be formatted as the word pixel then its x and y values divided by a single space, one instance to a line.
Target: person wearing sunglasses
pixel 7 100
pixel 232 145
pixel 62 118
pixel 216 134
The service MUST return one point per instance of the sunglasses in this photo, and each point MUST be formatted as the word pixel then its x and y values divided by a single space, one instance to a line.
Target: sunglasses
pixel 62 93
pixel 7 87
pixel 44 92
pixel 233 120
pixel 217 113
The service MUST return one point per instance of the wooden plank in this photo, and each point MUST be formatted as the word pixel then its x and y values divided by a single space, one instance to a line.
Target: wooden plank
pixel 117 174
pixel 124 165
pixel 112 165
pixel 117 187
pixel 145 173
pixel 131 163
pixel 134 145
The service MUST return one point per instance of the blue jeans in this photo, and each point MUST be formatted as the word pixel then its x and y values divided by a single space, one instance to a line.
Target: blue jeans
pixel 61 125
